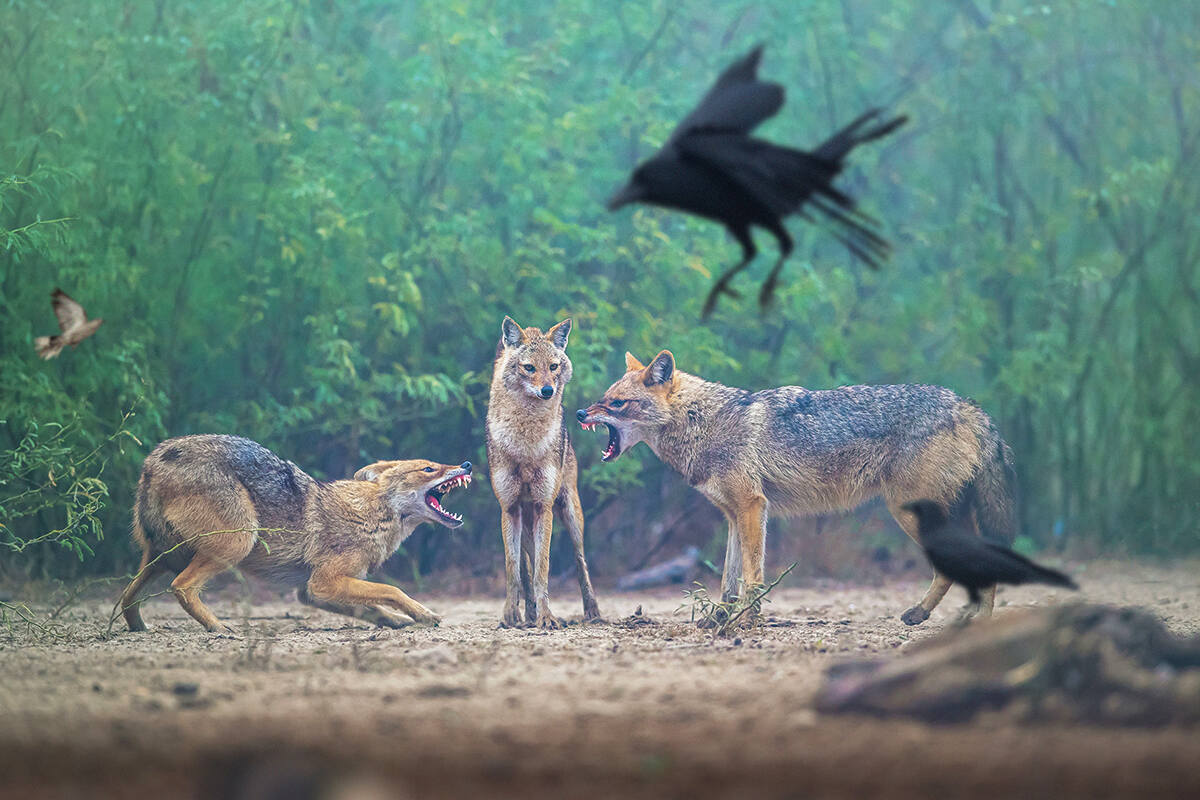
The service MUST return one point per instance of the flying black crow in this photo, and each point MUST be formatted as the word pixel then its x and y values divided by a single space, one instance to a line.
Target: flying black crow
pixel 712 167
pixel 975 563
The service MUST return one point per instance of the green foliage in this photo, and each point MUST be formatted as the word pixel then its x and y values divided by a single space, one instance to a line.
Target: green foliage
pixel 303 223
pixel 52 471
pixel 724 616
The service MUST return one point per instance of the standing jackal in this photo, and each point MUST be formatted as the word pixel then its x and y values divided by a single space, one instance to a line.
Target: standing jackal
pixel 533 468
pixel 794 451
pixel 208 503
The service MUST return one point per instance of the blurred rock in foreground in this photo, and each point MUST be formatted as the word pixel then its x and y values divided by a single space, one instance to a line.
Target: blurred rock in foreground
pixel 1073 663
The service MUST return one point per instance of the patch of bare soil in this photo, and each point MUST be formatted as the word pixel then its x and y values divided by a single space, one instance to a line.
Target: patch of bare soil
pixel 302 703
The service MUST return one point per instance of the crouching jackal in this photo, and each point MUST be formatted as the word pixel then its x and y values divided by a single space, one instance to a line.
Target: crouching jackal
pixel 533 468
pixel 208 503
pixel 793 451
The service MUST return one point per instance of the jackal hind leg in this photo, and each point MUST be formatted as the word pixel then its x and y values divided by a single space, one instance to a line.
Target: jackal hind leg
pixel 987 602
pixel 920 612
pixel 527 569
pixel 980 606
pixel 570 510
pixel 221 531
pixel 940 584
pixel 130 604
pixel 188 585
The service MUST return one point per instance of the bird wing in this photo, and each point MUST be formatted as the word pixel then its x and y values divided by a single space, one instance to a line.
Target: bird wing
pixel 1024 570
pixel 70 314
pixel 963 560
pixel 778 177
pixel 782 179
pixel 737 103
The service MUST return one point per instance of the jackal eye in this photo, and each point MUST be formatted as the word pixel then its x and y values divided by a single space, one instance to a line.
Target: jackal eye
pixel 428 469
pixel 554 367
pixel 616 403
pixel 529 367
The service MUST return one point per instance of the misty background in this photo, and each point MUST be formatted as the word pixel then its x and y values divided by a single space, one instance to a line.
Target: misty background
pixel 303 223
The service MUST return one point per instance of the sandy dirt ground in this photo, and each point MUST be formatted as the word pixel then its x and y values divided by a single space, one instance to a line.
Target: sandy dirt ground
pixel 301 703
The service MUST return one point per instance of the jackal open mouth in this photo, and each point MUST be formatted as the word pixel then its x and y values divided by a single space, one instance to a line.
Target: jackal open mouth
pixel 614 440
pixel 434 496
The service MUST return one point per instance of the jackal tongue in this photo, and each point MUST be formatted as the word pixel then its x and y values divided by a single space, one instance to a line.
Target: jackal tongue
pixel 432 501
pixel 614 444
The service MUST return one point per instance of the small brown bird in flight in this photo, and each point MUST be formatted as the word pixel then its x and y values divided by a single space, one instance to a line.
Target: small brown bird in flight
pixel 74 324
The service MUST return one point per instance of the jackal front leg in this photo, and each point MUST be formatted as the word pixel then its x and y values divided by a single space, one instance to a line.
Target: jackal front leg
pixel 510 531
pixel 375 615
pixel 543 525
pixel 342 590
pixel 751 524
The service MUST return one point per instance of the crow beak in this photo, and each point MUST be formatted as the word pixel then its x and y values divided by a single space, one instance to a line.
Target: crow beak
pixel 629 193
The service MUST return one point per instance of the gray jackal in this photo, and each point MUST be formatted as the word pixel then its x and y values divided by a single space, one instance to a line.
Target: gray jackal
pixel 793 451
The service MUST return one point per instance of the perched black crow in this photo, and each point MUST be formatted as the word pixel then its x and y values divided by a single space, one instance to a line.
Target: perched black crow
pixel 712 167
pixel 962 556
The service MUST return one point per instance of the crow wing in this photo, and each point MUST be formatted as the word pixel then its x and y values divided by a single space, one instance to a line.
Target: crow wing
pixel 1024 570
pixel 779 177
pixel 737 103
pixel 782 179
pixel 70 314
pixel 961 561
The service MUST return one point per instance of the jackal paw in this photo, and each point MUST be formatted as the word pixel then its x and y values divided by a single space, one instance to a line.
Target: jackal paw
pixel 591 616
pixel 716 618
pixel 549 622
pixel 914 616
pixel 384 619
pixel 220 627
pixel 427 618
pixel 969 613
pixel 511 617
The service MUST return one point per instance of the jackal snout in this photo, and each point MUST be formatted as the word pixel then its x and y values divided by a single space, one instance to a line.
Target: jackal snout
pixel 639 398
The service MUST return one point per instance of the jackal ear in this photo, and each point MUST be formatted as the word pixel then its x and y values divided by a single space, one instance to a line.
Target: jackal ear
pixel 631 362
pixel 510 332
pixel 371 472
pixel 661 369
pixel 559 333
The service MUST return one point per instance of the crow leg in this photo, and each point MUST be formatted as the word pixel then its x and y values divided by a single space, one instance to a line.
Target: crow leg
pixel 749 251
pixel 767 293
